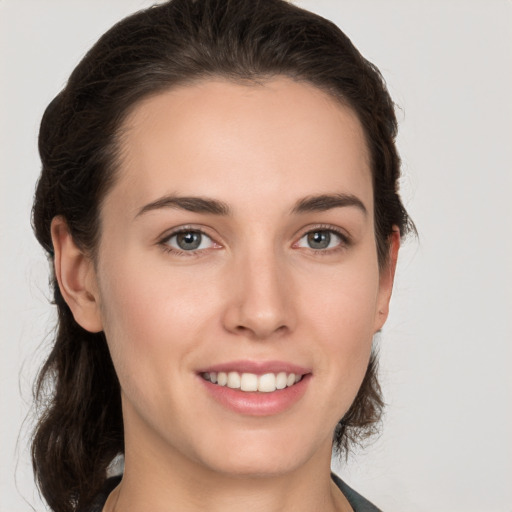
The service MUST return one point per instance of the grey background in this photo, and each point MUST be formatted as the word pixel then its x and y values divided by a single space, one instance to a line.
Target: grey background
pixel 446 349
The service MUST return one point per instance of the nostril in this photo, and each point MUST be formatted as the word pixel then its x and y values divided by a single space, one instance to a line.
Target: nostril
pixel 259 331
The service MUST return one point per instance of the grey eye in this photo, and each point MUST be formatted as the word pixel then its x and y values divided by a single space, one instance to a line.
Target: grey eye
pixel 320 239
pixel 190 241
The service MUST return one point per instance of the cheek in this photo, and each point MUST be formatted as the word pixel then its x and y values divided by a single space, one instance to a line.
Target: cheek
pixel 153 313
pixel 154 323
pixel 342 314
pixel 342 303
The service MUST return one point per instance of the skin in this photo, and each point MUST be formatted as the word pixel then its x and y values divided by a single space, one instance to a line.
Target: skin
pixel 255 290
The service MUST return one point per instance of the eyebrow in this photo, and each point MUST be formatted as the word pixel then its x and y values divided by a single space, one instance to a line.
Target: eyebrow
pixel 314 203
pixel 324 202
pixel 191 204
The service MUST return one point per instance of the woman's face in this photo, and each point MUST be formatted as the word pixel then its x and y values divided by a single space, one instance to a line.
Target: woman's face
pixel 238 244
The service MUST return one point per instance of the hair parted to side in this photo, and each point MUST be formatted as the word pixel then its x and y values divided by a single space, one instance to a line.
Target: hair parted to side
pixel 80 428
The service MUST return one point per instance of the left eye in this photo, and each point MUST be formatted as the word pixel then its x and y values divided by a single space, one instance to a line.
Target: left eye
pixel 320 239
pixel 189 241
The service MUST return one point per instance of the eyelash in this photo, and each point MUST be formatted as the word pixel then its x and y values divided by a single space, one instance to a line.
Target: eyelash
pixel 345 241
pixel 164 242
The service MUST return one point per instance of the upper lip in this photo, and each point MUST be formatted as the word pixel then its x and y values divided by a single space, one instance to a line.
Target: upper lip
pixel 256 367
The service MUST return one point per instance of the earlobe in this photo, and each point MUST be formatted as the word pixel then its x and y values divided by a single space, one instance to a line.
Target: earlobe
pixel 76 277
pixel 386 280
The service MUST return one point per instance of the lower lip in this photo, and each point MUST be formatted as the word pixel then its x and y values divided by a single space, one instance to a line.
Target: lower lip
pixel 257 403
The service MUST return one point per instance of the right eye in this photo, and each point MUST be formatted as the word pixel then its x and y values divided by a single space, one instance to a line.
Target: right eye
pixel 188 240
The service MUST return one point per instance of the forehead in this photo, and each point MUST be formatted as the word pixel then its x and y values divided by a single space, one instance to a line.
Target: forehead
pixel 239 142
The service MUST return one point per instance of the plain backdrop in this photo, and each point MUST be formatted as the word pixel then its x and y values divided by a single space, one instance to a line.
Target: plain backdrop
pixel 446 349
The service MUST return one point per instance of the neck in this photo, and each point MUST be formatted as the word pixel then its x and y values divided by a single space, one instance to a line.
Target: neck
pixel 162 476
pixel 151 484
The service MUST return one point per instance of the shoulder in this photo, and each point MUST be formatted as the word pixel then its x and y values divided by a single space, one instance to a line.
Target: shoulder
pixel 357 502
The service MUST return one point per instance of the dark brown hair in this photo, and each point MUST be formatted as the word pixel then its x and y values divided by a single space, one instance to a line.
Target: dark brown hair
pixel 80 428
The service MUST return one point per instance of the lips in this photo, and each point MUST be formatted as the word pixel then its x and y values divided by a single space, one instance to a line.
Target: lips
pixel 256 388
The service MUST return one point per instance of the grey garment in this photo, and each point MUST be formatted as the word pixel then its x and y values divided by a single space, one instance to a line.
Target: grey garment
pixel 357 502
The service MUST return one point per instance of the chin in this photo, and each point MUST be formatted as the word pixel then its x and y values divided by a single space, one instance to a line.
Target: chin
pixel 248 466
pixel 260 455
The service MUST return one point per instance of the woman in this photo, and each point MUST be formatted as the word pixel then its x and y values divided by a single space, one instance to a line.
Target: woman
pixel 219 203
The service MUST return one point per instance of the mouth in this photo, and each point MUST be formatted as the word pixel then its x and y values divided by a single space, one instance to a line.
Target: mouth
pixel 252 382
pixel 256 388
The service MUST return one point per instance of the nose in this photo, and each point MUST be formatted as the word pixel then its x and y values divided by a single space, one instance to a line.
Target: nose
pixel 261 301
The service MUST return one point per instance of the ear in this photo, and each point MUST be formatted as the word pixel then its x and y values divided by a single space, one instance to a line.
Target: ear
pixel 386 279
pixel 76 276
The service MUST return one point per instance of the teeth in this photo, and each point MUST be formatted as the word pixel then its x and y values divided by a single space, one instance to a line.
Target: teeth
pixel 281 380
pixel 222 378
pixel 249 382
pixel 234 380
pixel 267 383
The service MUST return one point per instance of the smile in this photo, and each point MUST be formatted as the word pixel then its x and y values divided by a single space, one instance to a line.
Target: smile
pixel 266 383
